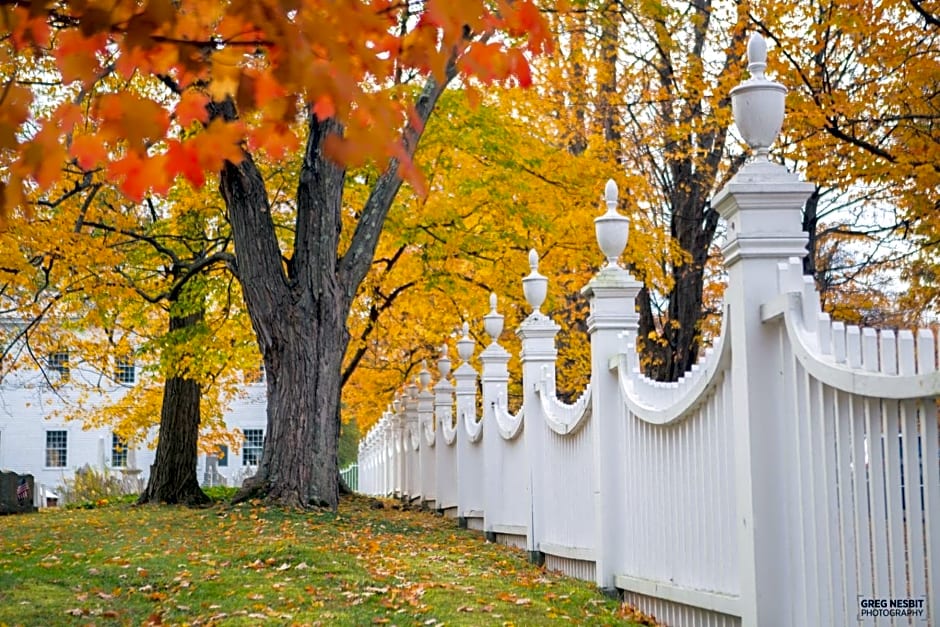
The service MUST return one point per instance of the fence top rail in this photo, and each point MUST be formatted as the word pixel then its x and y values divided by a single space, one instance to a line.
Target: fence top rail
pixel 448 429
pixel 508 426
pixel 427 428
pixel 414 436
pixel 560 417
pixel 860 361
pixel 661 403
pixel 472 426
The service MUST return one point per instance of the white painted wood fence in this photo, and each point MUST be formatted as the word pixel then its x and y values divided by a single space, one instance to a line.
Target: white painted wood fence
pixel 792 477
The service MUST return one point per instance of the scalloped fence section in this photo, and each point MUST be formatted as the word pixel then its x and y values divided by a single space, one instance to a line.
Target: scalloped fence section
pixel 799 456
pixel 791 477
pixel 861 453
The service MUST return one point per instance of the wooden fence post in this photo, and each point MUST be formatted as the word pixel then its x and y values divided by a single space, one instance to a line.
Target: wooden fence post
pixel 469 455
pixel 612 293
pixel 537 333
pixel 761 205
pixel 494 380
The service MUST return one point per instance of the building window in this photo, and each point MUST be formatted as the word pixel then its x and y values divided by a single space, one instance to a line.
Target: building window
pixel 124 371
pixel 118 451
pixel 251 449
pixel 222 454
pixel 59 362
pixel 57 446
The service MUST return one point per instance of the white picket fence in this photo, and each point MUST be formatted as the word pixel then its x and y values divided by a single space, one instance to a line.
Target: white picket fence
pixel 792 477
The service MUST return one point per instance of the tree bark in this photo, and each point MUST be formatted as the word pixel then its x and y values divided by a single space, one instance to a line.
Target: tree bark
pixel 173 474
pixel 299 465
pixel 689 175
pixel 298 308
pixel 300 322
pixel 810 226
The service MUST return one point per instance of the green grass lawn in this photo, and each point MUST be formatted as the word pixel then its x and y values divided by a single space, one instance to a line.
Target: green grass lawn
pixel 248 565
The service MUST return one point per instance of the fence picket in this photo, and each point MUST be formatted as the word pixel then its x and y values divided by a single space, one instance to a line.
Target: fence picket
pixel 930 453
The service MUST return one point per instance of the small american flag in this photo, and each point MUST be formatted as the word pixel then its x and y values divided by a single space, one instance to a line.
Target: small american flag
pixel 22 490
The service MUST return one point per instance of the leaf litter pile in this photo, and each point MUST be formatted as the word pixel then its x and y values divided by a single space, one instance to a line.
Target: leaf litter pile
pixel 249 565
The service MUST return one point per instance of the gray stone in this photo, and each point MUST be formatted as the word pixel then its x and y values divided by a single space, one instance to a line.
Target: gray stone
pixel 10 503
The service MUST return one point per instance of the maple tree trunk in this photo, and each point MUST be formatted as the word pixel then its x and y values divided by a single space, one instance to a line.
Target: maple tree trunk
pixel 173 473
pixel 810 226
pixel 299 304
pixel 670 351
pixel 299 465
pixel 676 348
pixel 688 169
pixel 300 323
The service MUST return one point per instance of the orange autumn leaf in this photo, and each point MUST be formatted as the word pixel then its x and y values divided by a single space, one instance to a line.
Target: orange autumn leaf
pixel 226 73
pixel 276 140
pixel 44 157
pixel 139 69
pixel 323 108
pixel 220 142
pixel 183 158
pixel 69 116
pixel 519 68
pixel 89 151
pixel 77 59
pixel 267 88
pixel 137 175
pixel 525 19
pixel 192 108
pixel 136 119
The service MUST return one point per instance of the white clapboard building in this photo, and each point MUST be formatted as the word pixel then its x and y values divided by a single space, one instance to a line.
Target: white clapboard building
pixel 36 439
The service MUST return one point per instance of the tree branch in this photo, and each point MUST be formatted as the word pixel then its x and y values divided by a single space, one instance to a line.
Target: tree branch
pixel 354 265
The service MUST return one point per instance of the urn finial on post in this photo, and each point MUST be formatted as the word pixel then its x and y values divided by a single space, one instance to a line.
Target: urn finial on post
pixel 424 377
pixel 493 321
pixel 465 344
pixel 443 364
pixel 758 103
pixel 535 286
pixel 611 229
pixel 757 56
